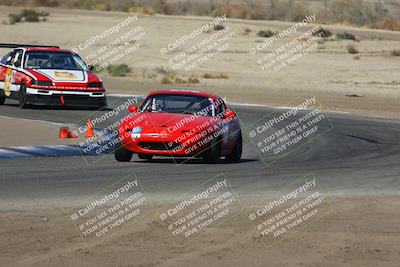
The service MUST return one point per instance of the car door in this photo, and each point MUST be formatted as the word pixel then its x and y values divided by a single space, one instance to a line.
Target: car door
pixel 17 75
pixel 9 75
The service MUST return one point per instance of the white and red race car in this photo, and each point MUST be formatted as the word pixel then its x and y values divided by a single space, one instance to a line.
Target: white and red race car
pixel 48 75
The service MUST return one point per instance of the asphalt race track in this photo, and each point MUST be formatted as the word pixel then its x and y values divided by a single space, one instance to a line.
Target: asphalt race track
pixel 359 156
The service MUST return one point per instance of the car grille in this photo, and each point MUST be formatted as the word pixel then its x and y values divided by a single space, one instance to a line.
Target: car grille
pixel 158 146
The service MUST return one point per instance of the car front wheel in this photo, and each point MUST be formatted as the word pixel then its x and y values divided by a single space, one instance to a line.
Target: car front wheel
pixel 213 152
pixel 22 96
pixel 122 154
pixel 236 153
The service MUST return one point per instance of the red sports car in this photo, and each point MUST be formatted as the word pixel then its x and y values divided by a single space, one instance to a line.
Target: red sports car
pixel 47 75
pixel 180 124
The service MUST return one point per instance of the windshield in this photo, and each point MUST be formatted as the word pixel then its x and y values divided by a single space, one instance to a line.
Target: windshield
pixel 54 60
pixel 182 104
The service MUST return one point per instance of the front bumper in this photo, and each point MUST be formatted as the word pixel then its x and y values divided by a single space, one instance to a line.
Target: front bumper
pixel 154 144
pixel 91 99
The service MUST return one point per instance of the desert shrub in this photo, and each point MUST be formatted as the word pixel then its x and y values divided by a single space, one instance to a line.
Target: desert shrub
pixel 193 79
pixel 166 80
pixel 180 80
pixel 266 34
pixel 246 31
pixel 215 76
pixel 356 57
pixel 396 53
pixel 118 70
pixel 388 24
pixel 143 10
pixel 356 12
pixel 167 72
pixel 50 3
pixel 101 6
pixel 28 15
pixel 14 18
pixel 352 49
pixel 325 33
pixel 346 36
pixel 219 27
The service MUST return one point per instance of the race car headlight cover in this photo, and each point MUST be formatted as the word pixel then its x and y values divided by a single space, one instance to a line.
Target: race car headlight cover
pixel 135 132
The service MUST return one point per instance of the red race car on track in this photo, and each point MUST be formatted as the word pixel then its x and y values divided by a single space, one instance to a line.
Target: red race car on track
pixel 48 75
pixel 180 124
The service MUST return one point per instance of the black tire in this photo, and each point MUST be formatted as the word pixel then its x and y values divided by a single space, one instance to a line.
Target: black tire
pixel 22 97
pixel 121 154
pixel 236 153
pixel 145 156
pixel 213 152
pixel 2 99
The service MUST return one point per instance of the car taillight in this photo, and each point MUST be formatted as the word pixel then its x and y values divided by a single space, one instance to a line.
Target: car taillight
pixel 96 85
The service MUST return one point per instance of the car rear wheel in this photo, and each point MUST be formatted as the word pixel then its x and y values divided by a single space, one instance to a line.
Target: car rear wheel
pixel 122 154
pixel 22 96
pixel 213 152
pixel 236 153
pixel 145 156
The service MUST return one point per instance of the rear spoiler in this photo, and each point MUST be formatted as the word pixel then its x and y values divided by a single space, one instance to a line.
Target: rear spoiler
pixel 26 45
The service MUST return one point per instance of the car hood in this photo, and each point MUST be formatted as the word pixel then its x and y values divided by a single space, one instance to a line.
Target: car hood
pixel 56 75
pixel 168 121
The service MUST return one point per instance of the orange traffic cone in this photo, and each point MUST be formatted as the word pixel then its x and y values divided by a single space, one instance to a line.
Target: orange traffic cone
pixel 64 131
pixel 89 131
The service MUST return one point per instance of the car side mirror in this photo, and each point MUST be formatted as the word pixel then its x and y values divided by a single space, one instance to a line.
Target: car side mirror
pixel 17 64
pixel 229 114
pixel 91 67
pixel 133 109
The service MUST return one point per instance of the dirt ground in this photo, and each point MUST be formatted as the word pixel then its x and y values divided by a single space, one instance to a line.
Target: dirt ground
pixel 360 232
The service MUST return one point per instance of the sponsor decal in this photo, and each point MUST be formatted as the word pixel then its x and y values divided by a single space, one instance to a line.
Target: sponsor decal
pixel 8 81
pixel 64 75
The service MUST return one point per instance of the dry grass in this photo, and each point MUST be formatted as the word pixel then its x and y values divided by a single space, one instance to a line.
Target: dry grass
pixel 352 49
pixel 215 76
pixel 166 80
pixel 396 53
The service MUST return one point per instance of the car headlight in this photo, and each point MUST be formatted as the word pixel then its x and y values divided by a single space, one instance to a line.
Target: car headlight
pixel 135 133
